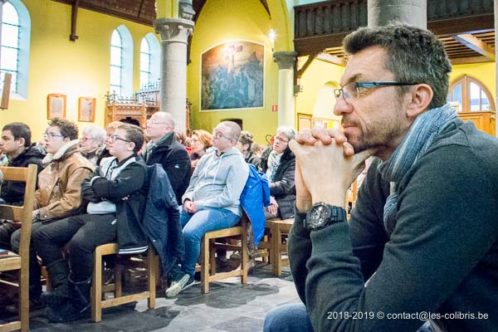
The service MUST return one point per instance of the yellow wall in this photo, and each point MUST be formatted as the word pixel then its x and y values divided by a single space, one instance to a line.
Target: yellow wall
pixel 484 72
pixel 76 69
pixel 247 20
pixel 166 8
pixel 318 74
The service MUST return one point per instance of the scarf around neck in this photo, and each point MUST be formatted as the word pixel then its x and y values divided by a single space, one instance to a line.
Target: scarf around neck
pixel 414 145
pixel 273 163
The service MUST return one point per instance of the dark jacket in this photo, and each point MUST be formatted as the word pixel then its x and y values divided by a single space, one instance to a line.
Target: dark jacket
pixel 12 191
pixel 161 219
pixel 126 191
pixel 441 257
pixel 176 162
pixel 282 186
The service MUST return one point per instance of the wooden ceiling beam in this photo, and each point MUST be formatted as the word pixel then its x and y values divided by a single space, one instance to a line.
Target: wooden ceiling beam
pixel 334 59
pixel 140 8
pixel 74 17
pixel 476 45
pixel 467 60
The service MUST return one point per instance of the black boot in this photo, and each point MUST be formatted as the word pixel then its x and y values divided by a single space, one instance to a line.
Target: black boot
pixel 77 306
pixel 59 293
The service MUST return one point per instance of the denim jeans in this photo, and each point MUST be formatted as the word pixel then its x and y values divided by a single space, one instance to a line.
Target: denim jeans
pixel 195 226
pixel 288 318
pixel 294 318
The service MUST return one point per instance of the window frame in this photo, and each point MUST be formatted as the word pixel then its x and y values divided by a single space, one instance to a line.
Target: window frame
pixel 154 55
pixel 466 80
pixel 19 90
pixel 126 56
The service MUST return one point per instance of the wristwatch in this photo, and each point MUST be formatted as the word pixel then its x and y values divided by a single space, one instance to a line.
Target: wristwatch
pixel 322 214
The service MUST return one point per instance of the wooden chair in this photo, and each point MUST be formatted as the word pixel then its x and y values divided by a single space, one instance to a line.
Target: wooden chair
pixel 20 262
pixel 208 251
pixel 98 291
pixel 278 228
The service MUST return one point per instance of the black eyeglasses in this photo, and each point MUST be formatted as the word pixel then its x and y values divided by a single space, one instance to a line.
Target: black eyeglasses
pixel 354 90
pixel 115 138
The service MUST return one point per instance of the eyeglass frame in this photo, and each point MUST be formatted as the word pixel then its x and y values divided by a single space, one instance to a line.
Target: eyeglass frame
pixel 276 138
pixel 51 135
pixel 155 122
pixel 218 134
pixel 86 139
pixel 338 93
pixel 114 138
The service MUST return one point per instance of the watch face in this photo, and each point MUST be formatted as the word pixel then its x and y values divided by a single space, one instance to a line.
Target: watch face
pixel 318 215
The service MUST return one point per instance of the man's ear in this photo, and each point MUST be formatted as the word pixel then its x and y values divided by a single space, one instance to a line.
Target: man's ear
pixel 420 98
pixel 22 141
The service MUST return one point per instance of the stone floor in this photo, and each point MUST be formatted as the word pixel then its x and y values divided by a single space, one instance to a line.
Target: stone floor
pixel 229 306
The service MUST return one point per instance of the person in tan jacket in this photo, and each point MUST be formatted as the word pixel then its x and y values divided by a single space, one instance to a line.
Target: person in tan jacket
pixel 59 187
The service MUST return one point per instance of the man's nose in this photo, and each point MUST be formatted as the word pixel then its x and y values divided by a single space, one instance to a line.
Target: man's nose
pixel 341 107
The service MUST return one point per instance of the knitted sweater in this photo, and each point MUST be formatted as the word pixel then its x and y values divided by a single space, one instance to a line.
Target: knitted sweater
pixel 441 257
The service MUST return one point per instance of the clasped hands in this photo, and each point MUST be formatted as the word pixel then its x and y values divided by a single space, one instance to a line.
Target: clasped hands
pixel 326 165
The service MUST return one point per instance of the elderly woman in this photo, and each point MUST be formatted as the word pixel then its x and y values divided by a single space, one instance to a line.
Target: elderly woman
pixel 200 142
pixel 279 164
pixel 92 143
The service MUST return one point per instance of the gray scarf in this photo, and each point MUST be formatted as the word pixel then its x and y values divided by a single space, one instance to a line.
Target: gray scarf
pixel 414 145
pixel 273 164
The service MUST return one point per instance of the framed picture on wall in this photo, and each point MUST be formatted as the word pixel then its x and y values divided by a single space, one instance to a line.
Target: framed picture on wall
pixel 86 109
pixel 232 76
pixel 56 106
pixel 304 121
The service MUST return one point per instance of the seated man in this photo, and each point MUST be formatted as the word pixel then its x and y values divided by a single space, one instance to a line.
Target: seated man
pixel 59 186
pixel 211 201
pixel 92 143
pixel 15 142
pixel 116 196
pixel 422 242
pixel 165 150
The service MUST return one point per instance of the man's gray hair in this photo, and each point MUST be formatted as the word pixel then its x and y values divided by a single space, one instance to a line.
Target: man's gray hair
pixel 96 133
pixel 289 132
pixel 166 118
pixel 234 130
pixel 414 56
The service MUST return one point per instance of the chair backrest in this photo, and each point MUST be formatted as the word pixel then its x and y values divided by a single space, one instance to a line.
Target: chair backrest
pixel 22 214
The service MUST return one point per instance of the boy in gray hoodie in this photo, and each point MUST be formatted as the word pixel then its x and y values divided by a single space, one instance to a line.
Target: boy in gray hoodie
pixel 211 201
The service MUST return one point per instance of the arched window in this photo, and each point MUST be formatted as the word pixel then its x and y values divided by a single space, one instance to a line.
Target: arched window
pixel 15 31
pixel 149 60
pixel 467 94
pixel 121 62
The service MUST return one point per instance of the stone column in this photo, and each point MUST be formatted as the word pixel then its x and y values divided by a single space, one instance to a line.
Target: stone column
pixel 382 12
pixel 496 70
pixel 286 61
pixel 174 38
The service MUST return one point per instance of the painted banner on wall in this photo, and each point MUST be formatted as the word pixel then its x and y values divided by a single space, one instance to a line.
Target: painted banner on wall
pixel 232 76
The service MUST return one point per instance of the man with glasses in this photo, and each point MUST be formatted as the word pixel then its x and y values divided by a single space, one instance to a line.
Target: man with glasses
pixel 116 198
pixel 59 187
pixel 422 242
pixel 211 201
pixel 165 150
